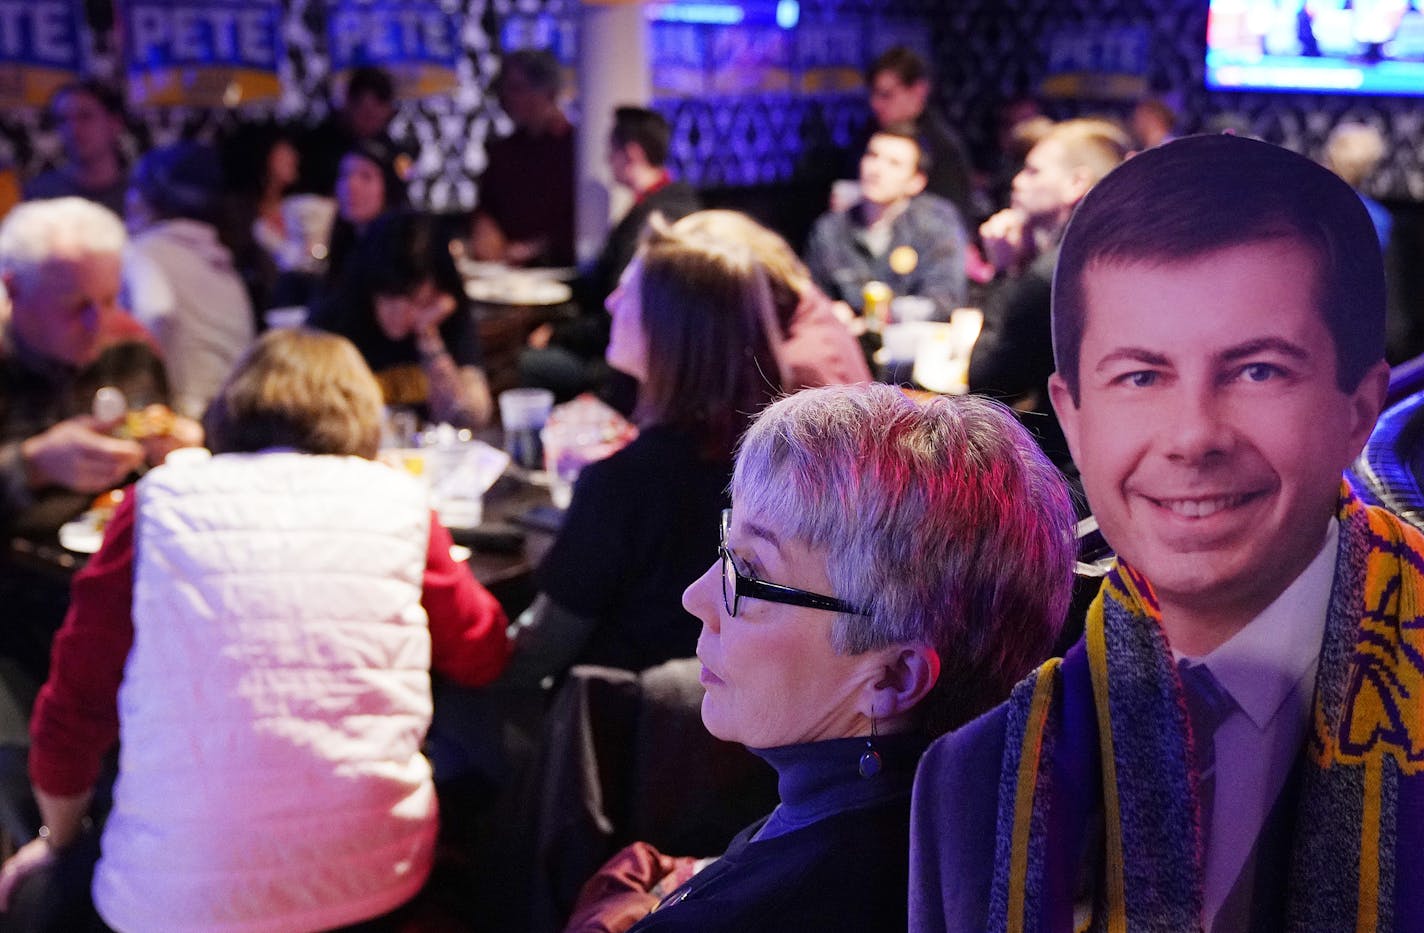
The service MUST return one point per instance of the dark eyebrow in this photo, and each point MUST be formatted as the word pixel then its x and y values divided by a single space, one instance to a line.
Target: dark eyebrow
pixel 1132 355
pixel 1266 345
pixel 766 534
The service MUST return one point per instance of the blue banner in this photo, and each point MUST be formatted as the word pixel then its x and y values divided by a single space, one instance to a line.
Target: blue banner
pixel 417 41
pixel 750 60
pixel 1097 63
pixel 39 49
pixel 678 53
pixel 829 56
pixel 202 52
pixel 558 34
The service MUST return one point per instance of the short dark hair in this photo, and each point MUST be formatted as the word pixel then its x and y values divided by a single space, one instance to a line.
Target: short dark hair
pixel 298 388
pixel 1200 194
pixel 389 161
pixel 538 66
pixel 924 160
pixel 369 79
pixel 401 250
pixel 902 61
pixel 648 128
pixel 184 180
pixel 106 94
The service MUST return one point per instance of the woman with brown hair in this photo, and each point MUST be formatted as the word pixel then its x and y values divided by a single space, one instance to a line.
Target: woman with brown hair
pixel 818 349
pixel 273 613
pixel 695 323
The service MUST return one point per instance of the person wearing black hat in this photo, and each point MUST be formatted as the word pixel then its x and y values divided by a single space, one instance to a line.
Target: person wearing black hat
pixel 180 279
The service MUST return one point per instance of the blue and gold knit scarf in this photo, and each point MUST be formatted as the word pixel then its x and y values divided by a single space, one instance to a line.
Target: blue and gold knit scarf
pixel 1358 844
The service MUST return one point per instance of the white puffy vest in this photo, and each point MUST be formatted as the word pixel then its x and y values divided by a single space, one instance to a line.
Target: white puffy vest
pixel 275 699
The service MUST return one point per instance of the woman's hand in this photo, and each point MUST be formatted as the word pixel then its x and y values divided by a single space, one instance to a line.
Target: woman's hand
pixel 30 858
pixel 430 316
pixel 398 316
pixel 458 395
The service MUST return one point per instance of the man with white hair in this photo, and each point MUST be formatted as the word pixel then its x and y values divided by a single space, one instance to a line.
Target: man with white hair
pixel 64 338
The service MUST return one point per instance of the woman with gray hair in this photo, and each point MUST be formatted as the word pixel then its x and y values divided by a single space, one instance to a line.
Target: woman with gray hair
pixel 889 569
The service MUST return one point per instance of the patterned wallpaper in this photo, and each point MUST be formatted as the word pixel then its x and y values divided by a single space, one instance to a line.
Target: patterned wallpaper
pixel 984 50
pixel 451 130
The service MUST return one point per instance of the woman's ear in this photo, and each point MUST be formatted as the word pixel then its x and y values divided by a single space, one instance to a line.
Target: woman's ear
pixel 906 677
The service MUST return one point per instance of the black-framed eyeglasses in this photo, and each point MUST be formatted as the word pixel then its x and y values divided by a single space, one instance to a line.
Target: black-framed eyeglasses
pixel 735 585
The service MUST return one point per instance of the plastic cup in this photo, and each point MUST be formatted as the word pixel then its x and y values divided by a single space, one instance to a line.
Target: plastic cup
pixel 845 193
pixel 290 316
pixel 523 414
pixel 464 512
pixel 309 219
pixel 564 458
pixel 911 309
pixel 902 342
pixel 967 323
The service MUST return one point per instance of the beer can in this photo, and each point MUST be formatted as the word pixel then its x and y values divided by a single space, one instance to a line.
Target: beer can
pixel 877 297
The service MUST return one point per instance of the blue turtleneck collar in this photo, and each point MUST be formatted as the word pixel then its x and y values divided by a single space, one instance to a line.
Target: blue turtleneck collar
pixel 820 779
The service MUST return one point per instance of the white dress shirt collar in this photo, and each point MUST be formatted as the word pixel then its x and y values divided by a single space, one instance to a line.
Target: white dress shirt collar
pixel 1261 664
pixel 1269 669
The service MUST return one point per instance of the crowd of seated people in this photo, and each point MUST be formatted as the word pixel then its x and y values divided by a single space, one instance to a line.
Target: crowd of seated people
pixel 295 595
pixel 694 325
pixel 568 356
pixel 890 566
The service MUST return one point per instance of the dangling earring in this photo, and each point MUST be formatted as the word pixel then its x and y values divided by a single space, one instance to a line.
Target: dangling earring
pixel 870 758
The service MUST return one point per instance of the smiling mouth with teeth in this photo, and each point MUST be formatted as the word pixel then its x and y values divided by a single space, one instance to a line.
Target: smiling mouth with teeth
pixel 1202 508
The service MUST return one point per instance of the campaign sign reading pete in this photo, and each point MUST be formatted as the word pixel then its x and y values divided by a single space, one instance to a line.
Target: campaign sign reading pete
pixel 202 53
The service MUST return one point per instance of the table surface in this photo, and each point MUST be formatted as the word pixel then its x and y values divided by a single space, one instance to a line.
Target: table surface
pixel 504 330
pixel 506 503
pixel 36 547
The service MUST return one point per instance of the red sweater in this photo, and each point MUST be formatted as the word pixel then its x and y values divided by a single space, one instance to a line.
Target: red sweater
pixel 76 716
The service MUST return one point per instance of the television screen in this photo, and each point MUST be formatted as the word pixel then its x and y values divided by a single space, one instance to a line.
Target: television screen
pixel 1327 46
